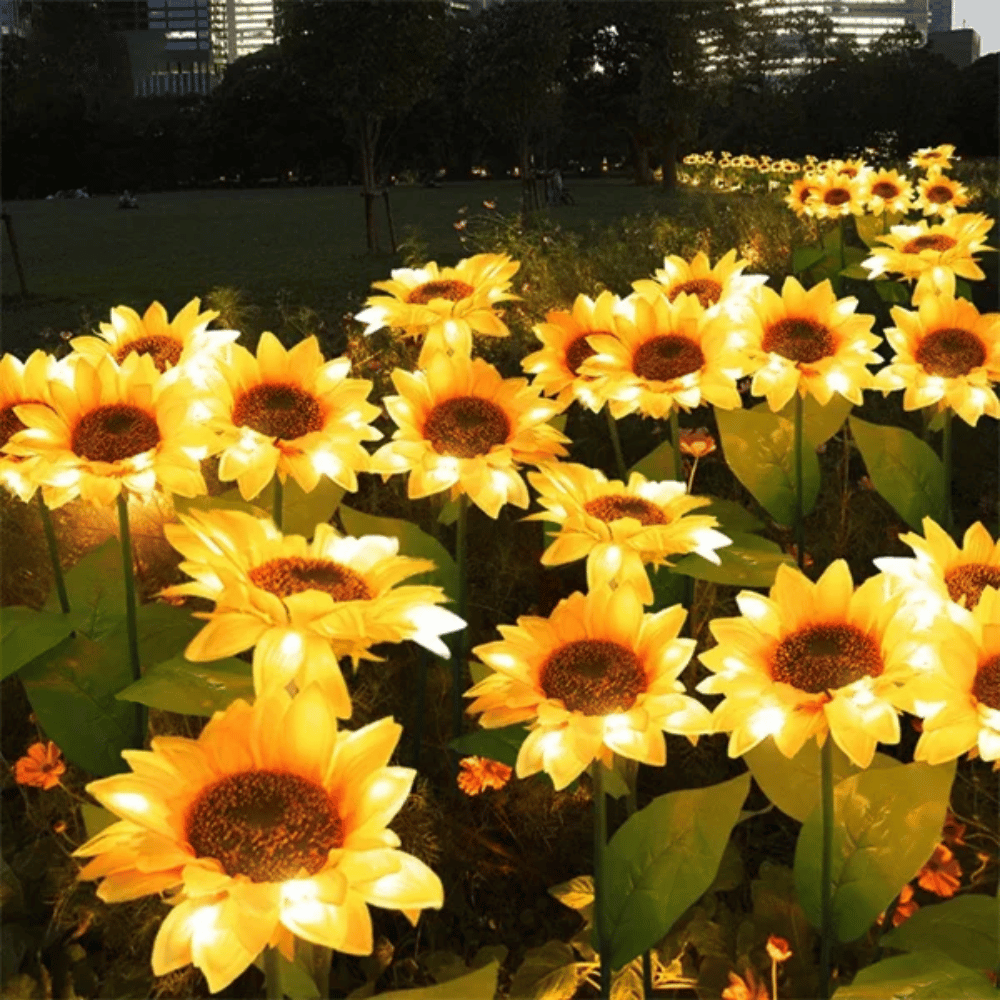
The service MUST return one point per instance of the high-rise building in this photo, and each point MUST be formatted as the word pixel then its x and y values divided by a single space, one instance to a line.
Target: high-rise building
pixel 169 44
pixel 941 14
pixel 240 27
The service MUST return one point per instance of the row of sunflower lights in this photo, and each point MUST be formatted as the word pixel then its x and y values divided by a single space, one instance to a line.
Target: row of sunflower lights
pixel 135 411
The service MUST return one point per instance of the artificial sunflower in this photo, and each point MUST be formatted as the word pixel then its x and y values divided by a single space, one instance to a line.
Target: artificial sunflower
pixel 464 427
pixel 712 286
pixel 813 659
pixel 171 344
pixel 946 353
pixel 933 156
pixel 910 251
pixel 597 677
pixel 666 354
pixel 556 367
pixel 271 826
pixel 23 382
pixel 444 305
pixel 291 413
pixel 940 195
pixel 836 195
pixel 109 428
pixel 808 341
pixel 618 527
pixel 887 191
pixel 300 604
pixel 856 169
pixel 801 195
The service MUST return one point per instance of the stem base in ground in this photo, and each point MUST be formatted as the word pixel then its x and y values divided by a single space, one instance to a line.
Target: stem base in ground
pixel 600 876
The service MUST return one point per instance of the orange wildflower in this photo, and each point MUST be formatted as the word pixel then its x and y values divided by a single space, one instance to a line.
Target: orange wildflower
pixel 480 773
pixel 778 949
pixel 942 874
pixel 906 906
pixel 750 988
pixel 41 767
pixel 697 443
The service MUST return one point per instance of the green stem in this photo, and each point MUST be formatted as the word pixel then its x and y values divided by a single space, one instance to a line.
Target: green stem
pixel 675 437
pixel 885 222
pixel 462 638
pixel 50 538
pixel 949 516
pixel 617 445
pixel 131 620
pixel 600 877
pixel 826 783
pixel 272 974
pixel 631 806
pixel 843 261
pixel 279 503
pixel 800 529
pixel 317 959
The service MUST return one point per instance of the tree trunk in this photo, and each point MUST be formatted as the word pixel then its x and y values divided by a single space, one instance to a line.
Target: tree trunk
pixel 640 160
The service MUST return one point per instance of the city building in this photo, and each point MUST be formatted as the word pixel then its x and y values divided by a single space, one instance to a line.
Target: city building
pixel 960 46
pixel 240 27
pixel 941 15
pixel 14 18
pixel 169 44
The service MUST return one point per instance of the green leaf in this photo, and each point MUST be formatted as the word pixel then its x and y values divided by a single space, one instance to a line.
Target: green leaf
pixel 732 516
pixel 963 928
pixel 178 685
pixel 832 238
pixel 577 893
pixel 412 542
pixel 164 631
pixel 793 785
pixel 759 448
pixel 668 587
pixel 819 423
pixel 776 910
pixel 72 690
pixel 751 561
pixel 550 972
pixel 855 271
pixel 927 976
pixel 870 227
pixel 26 633
pixel 500 744
pixel 663 859
pixel 96 818
pixel 887 823
pixel 963 290
pixel 893 293
pixel 804 258
pixel 96 590
pixel 480 984
pixel 658 465
pixel 294 981
pixel 903 469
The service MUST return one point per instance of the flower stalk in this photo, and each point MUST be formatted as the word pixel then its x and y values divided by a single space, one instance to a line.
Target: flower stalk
pixel 617 445
pixel 279 503
pixel 631 806
pixel 800 531
pixel 675 437
pixel 50 539
pixel 272 970
pixel 131 619
pixel 462 637
pixel 600 877
pixel 826 914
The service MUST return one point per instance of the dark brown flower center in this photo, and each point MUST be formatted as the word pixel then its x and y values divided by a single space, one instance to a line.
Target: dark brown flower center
pixel 294 574
pixel 466 426
pixel 10 423
pixel 266 825
pixel 593 676
pixel 614 507
pixel 165 351
pixel 969 581
pixel 940 194
pixel 796 339
pixel 986 686
pixel 825 657
pixel 849 170
pixel 578 350
pixel 950 353
pixel 933 241
pixel 836 196
pixel 661 359
pixel 278 411
pixel 708 290
pixel 885 189
pixel 452 290
pixel 806 192
pixel 115 432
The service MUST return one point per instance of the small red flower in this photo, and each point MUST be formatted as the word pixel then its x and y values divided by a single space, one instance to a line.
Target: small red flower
pixel 942 874
pixel 778 949
pixel 41 767
pixel 480 773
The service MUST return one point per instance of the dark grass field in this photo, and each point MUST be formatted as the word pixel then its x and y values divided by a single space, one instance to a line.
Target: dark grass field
pixel 304 246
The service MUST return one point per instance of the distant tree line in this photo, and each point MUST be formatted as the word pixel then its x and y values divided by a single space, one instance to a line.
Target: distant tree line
pixel 359 92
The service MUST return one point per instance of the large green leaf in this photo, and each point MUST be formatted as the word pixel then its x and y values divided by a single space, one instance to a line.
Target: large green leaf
pixel 164 631
pixel 663 859
pixel 903 469
pixel 793 784
pixel 500 744
pixel 669 588
pixel 72 690
pixel 658 465
pixel 751 561
pixel 964 928
pixel 178 685
pixel 887 823
pixel 96 590
pixel 412 542
pixel 819 423
pixel 26 633
pixel 929 975
pixel 893 293
pixel 871 227
pixel 480 984
pixel 732 516
pixel 294 980
pixel 804 258
pixel 759 448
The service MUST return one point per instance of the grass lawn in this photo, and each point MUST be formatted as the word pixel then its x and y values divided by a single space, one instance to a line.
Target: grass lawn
pixel 303 245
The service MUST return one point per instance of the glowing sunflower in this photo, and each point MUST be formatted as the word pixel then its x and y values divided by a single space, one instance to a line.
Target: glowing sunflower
pixel 960 701
pixel 110 428
pixel 292 413
pixel 170 343
pixel 669 354
pixel 620 527
pixel 946 353
pixel 270 826
pixel 856 169
pixel 837 195
pixel 887 191
pixel 464 427
pixel 712 286
pixel 556 366
pixel 813 659
pixel 940 195
pixel 444 305
pixel 801 195
pixel 597 677
pixel 912 250
pixel 808 342
pixel 301 604
pixel 23 382
pixel 933 156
